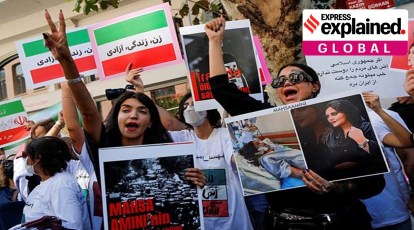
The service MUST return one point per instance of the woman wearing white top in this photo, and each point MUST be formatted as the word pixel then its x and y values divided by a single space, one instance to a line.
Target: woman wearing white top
pixel 222 198
pixel 58 193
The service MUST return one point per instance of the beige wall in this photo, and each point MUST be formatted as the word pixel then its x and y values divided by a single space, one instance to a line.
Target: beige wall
pixel 34 24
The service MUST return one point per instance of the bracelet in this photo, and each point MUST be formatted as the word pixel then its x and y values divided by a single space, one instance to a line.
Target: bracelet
pixel 75 80
pixel 59 124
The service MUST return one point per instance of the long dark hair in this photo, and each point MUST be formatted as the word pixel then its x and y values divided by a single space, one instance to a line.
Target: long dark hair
pixel 213 116
pixel 52 151
pixel 152 135
pixel 343 106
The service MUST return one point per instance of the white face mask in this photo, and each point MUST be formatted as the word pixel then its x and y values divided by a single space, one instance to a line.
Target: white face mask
pixel 194 118
pixel 30 168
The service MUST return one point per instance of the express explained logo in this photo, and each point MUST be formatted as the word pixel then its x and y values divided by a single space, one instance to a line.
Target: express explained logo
pixel 350 25
pixel 355 32
pixel 311 24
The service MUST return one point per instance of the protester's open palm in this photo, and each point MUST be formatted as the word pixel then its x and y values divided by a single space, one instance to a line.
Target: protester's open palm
pixel 133 76
pixel 56 40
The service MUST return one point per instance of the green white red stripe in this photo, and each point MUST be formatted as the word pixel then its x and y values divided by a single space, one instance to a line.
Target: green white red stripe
pixel 12 120
pixel 145 38
pixel 39 66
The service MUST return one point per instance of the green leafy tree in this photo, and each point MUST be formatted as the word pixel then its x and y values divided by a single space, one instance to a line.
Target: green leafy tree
pixel 214 8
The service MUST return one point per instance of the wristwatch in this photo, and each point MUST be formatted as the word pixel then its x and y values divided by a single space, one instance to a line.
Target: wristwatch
pixel 363 144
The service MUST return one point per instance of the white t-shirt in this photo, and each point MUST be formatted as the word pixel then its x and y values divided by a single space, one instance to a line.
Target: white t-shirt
pixel 223 202
pixel 390 206
pixel 87 164
pixel 19 177
pixel 59 196
pixel 75 167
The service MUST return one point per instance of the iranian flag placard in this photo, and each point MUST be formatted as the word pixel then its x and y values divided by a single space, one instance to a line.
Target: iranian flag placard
pixel 145 38
pixel 13 117
pixel 39 66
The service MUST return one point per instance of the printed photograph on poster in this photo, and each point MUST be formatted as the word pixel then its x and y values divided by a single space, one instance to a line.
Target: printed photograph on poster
pixel 241 61
pixel 265 150
pixel 146 38
pixel 329 132
pixel 144 187
pixel 40 68
pixel 272 146
pixel 405 62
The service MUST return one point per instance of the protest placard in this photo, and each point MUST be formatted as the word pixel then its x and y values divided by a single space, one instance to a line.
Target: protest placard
pixel 369 4
pixel 239 56
pixel 143 187
pixel 145 38
pixel 40 67
pixel 341 73
pixel 308 134
pixel 13 117
pixel 265 75
pixel 403 63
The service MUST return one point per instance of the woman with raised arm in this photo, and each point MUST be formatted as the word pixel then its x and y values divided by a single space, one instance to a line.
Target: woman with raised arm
pixel 333 205
pixel 133 120
pixel 58 194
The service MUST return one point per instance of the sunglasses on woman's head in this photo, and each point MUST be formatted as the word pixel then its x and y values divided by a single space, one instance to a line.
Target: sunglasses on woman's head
pixel 294 78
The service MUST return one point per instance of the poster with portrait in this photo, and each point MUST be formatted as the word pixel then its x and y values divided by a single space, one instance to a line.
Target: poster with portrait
pixel 405 62
pixel 240 60
pixel 332 136
pixel 143 187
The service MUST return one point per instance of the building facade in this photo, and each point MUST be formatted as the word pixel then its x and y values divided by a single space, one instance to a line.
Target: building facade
pixel 165 85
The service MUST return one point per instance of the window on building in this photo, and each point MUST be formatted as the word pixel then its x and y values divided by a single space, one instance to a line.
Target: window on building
pixel 3 88
pixel 18 80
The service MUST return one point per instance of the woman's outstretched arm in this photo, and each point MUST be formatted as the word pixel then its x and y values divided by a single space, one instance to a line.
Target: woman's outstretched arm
pixel 399 137
pixel 70 115
pixel 57 43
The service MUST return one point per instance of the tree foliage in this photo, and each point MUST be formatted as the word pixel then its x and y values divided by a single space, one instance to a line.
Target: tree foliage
pixel 87 6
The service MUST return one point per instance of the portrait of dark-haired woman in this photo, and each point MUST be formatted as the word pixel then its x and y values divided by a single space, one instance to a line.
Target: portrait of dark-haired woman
pixel 352 143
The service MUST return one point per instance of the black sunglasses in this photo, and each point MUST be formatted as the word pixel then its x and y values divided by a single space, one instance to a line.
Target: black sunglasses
pixel 294 78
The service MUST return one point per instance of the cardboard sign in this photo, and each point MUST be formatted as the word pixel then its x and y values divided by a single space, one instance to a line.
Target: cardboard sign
pixel 143 187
